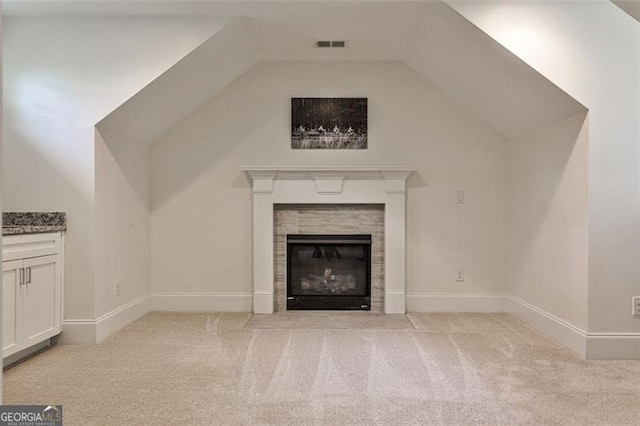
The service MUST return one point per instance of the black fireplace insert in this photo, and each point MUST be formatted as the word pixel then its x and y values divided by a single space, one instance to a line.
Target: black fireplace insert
pixel 329 272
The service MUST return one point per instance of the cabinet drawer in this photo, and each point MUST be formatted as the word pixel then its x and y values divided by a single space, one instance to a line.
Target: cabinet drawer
pixel 30 245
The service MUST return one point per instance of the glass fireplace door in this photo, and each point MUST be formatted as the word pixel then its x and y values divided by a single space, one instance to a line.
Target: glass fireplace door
pixel 329 272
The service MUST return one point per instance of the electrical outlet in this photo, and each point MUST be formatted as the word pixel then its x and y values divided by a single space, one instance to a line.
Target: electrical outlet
pixel 117 287
pixel 635 301
pixel 460 275
pixel 459 197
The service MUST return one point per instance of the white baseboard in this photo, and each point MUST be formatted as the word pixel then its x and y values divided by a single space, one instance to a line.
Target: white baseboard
pixel 78 332
pixel 202 302
pixel 556 328
pixel 86 332
pixel 455 302
pixel 613 346
pixel 604 346
pixel 121 317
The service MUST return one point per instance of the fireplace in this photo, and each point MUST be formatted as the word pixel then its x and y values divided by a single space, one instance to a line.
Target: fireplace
pixel 329 272
pixel 328 185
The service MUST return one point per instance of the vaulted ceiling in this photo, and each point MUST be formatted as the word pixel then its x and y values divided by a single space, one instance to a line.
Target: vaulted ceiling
pixel 428 36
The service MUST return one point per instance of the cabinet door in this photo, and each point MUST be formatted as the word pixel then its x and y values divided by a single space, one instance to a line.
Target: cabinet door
pixel 11 307
pixel 41 299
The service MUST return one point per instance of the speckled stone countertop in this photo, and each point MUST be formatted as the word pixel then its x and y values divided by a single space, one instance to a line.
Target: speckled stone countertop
pixel 14 223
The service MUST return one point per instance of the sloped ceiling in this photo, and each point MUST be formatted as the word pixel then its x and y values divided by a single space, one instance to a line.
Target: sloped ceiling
pixel 183 88
pixel 483 76
pixel 430 37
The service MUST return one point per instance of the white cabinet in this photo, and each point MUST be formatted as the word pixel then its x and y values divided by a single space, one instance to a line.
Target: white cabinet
pixel 11 306
pixel 32 290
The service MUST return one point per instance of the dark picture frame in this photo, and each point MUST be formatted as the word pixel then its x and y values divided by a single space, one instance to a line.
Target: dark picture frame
pixel 329 123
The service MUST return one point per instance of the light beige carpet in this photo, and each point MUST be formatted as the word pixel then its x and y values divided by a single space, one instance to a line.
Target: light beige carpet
pixel 208 369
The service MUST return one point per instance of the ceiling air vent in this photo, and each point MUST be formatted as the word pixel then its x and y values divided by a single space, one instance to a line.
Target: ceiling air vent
pixel 331 43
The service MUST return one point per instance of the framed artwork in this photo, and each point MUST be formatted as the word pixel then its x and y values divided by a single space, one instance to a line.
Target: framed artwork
pixel 329 123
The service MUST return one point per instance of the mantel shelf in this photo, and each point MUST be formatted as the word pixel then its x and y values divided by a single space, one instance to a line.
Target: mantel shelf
pixel 311 169
pixel 328 179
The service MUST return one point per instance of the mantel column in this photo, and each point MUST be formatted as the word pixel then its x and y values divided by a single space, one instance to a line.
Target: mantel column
pixel 395 242
pixel 262 192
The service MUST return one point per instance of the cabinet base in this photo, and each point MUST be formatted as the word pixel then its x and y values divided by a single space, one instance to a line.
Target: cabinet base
pixel 25 354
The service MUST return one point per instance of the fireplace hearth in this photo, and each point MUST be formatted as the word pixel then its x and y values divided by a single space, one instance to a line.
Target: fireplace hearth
pixel 329 272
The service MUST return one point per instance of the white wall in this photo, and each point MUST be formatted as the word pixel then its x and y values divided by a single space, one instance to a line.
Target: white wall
pixel 548 229
pixel 62 75
pixel 591 50
pixel 121 223
pixel 201 204
pixel 1 127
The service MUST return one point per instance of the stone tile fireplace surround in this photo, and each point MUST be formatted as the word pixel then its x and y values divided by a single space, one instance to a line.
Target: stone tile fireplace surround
pixel 273 187
pixel 329 219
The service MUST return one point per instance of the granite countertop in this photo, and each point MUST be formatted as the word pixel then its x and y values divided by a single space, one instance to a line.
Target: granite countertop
pixel 14 223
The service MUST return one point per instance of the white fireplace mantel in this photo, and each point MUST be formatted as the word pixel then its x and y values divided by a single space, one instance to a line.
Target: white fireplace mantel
pixel 329 185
